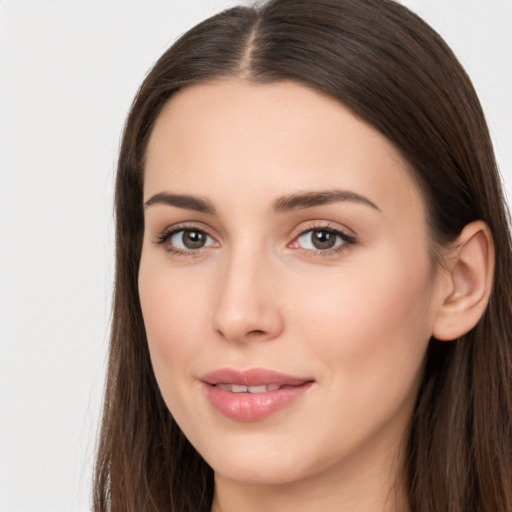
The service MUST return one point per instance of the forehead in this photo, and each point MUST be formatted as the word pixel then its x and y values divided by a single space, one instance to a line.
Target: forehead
pixel 270 139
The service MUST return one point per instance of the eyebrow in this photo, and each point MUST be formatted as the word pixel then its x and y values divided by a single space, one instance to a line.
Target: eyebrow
pixel 305 200
pixel 186 202
pixel 299 201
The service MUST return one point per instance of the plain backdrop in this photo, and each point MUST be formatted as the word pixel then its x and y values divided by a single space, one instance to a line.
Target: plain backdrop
pixel 68 73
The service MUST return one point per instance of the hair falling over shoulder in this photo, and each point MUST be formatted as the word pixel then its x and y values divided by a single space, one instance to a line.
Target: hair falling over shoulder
pixel 394 72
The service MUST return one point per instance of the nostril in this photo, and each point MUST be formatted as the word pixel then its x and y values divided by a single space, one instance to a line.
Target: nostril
pixel 256 332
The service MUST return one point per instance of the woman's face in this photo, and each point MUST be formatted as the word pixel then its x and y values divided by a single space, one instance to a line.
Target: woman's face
pixel 285 282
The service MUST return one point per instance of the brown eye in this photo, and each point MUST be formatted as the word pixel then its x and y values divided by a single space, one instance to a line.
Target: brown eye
pixel 322 239
pixel 193 239
pixel 190 240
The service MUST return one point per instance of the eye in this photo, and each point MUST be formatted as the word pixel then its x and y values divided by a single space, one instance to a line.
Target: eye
pixel 322 239
pixel 190 239
pixel 186 240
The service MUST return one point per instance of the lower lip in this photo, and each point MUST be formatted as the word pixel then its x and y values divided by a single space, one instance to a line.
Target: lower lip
pixel 253 406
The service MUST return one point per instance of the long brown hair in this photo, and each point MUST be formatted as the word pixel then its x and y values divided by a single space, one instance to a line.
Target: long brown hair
pixel 393 71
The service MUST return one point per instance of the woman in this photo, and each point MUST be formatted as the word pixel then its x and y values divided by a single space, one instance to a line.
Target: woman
pixel 313 290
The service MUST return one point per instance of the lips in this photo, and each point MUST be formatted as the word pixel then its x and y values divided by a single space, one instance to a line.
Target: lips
pixel 254 394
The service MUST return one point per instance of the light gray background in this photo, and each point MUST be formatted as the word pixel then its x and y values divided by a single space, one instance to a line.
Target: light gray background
pixel 68 72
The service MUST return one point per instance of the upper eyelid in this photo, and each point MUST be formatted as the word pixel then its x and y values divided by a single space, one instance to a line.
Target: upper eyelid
pixel 323 225
pixel 186 226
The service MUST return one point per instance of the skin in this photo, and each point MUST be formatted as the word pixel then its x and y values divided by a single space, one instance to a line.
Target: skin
pixel 355 318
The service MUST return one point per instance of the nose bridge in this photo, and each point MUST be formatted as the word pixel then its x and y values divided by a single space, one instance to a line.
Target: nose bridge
pixel 247 305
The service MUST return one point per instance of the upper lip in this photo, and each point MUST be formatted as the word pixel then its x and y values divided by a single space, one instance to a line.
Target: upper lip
pixel 252 377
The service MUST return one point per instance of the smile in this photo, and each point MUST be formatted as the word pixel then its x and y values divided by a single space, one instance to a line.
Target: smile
pixel 252 395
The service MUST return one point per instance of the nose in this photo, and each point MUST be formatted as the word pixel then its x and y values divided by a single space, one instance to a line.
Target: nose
pixel 247 306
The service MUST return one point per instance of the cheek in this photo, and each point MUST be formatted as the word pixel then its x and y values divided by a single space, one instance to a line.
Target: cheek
pixel 170 298
pixel 372 312
pixel 166 306
pixel 371 328
pixel 172 315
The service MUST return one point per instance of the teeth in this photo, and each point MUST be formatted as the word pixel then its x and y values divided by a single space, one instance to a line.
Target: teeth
pixel 236 388
pixel 257 389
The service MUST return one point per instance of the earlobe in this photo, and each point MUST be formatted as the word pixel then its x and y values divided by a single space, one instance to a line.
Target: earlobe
pixel 470 274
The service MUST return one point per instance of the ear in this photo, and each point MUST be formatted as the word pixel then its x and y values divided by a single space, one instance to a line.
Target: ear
pixel 470 266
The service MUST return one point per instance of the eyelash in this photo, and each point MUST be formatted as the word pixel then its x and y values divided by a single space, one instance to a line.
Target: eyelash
pixel 346 240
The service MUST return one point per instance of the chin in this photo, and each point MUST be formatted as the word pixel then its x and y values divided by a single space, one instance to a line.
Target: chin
pixel 259 465
pixel 252 474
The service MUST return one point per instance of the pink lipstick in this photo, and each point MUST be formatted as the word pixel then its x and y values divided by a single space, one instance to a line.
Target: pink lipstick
pixel 252 395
